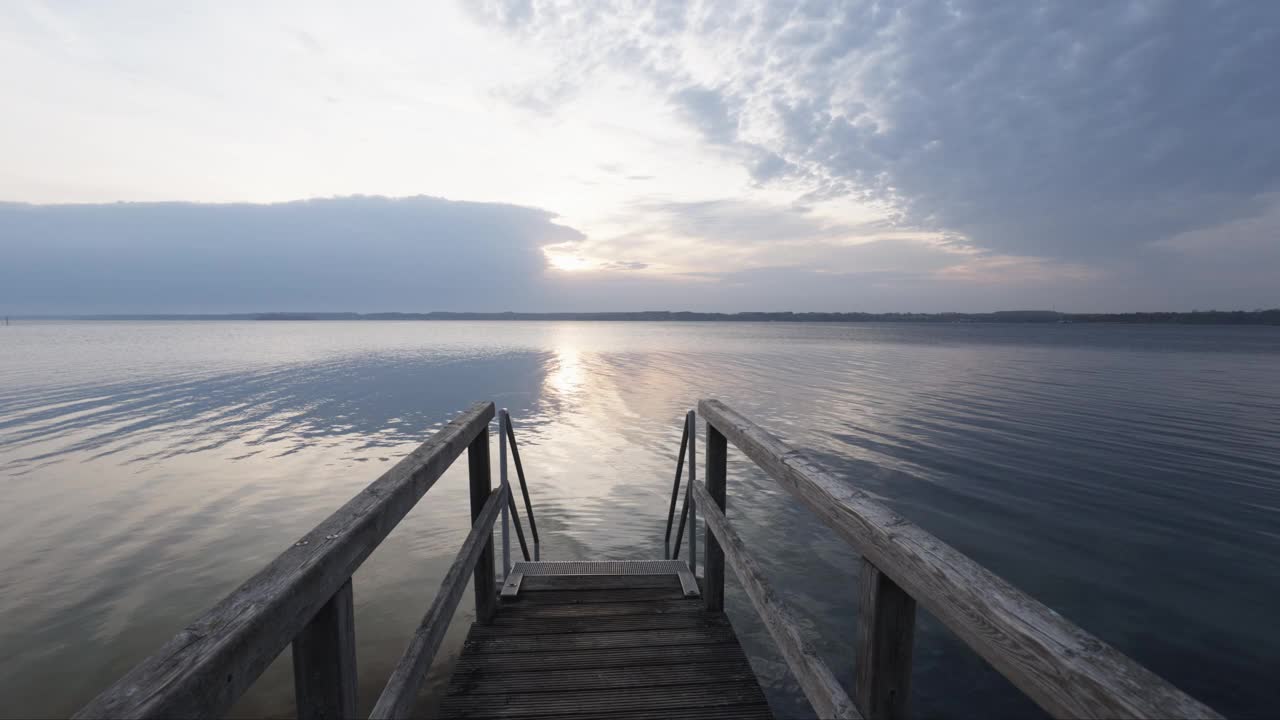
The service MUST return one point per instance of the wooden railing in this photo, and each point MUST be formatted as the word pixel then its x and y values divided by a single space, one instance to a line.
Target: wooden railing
pixel 1064 669
pixel 304 597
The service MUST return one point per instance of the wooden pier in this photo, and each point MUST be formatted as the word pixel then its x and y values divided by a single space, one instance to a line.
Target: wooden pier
pixel 628 639
pixel 632 638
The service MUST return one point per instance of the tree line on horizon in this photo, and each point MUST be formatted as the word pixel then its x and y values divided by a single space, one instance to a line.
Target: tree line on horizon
pixel 1194 317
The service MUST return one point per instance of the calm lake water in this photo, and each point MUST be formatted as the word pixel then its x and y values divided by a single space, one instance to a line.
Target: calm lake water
pixel 1127 476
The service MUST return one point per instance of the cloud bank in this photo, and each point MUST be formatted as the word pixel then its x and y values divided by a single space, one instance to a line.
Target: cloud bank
pixel 878 155
pixel 358 253
pixel 1034 134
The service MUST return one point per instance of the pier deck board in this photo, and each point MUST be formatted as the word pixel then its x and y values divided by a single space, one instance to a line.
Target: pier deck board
pixel 588 646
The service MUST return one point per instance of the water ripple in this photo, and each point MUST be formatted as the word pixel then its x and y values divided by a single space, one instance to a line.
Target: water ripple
pixel 1127 476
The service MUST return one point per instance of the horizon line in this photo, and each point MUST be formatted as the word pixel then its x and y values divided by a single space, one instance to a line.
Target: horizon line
pixel 623 314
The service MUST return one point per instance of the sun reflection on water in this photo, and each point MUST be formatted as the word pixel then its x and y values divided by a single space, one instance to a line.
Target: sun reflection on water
pixel 566 375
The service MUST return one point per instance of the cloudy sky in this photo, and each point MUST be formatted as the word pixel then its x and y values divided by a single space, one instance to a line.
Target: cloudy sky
pixel 915 155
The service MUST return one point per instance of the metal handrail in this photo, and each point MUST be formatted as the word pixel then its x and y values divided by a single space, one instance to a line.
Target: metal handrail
pixel 689 510
pixel 507 437
pixel 675 494
pixel 506 488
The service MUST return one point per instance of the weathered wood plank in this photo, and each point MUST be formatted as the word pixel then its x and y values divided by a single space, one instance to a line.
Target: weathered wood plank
pixel 602 702
pixel 562 597
pixel 751 711
pixel 503 627
pixel 747 711
pixel 534 583
pixel 580 568
pixel 324 661
pixel 592 641
pixel 667 657
pixel 728 650
pixel 401 690
pixel 713 562
pixel 514 612
pixel 207 666
pixel 820 685
pixel 481 486
pixel 1064 669
pixel 495 679
pixel 886 633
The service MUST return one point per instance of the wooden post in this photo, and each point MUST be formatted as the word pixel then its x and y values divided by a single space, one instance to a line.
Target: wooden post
pixel 817 681
pixel 713 557
pixel 886 630
pixel 324 661
pixel 205 668
pixel 481 485
pixel 397 699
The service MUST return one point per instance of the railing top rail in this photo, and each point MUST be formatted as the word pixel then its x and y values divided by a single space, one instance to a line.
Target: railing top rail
pixel 401 690
pixel 210 663
pixel 817 681
pixel 1063 668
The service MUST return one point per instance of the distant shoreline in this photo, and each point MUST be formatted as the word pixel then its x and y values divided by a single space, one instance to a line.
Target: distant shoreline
pixel 1211 317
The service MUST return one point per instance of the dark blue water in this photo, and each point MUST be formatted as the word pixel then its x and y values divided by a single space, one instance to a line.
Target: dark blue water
pixel 1127 476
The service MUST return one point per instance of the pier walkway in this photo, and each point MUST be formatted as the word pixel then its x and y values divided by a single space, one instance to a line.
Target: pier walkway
pixel 617 639
pixel 633 638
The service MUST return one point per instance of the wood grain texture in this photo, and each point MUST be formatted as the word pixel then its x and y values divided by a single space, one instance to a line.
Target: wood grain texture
pixel 535 583
pixel 819 684
pixel 713 561
pixel 886 634
pixel 656 700
pixel 602 659
pixel 209 664
pixel 516 612
pixel 600 640
pixel 324 661
pixel 632 658
pixel 746 711
pixel 556 597
pixel 518 626
pixel 495 679
pixel 1064 669
pixel 401 690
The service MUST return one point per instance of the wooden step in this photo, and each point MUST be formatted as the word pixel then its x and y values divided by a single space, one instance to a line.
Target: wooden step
pixel 624 646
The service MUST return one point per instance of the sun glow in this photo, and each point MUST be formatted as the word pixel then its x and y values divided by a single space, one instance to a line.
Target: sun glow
pixel 567 375
pixel 567 262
